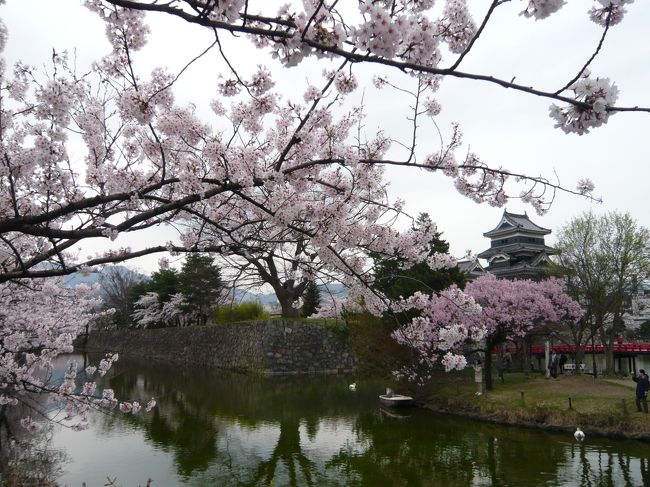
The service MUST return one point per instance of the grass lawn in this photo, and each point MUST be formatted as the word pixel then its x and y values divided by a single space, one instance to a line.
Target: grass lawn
pixel 603 406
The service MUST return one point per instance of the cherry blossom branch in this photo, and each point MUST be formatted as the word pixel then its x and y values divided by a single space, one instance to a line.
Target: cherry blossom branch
pixel 591 58
pixel 472 167
pixel 29 223
pixel 493 5
pixel 405 66
pixel 294 138
pixel 312 18
pixel 110 258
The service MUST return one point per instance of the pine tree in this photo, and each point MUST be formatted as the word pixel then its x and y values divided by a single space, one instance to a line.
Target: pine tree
pixel 396 282
pixel 200 283
pixel 310 299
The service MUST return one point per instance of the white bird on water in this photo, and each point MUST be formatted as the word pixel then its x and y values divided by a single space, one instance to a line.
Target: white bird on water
pixel 579 435
pixel 353 386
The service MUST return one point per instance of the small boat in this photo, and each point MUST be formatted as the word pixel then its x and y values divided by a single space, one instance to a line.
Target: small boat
pixel 396 400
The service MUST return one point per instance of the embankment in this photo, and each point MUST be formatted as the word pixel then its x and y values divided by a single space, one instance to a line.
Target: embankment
pixel 600 407
pixel 270 347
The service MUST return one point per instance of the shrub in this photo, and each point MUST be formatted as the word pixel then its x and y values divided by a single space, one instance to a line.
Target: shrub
pixel 240 312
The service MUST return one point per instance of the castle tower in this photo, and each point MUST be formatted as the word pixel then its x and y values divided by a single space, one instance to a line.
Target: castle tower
pixel 517 249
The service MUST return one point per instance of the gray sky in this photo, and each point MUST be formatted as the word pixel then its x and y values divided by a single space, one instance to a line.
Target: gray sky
pixel 502 127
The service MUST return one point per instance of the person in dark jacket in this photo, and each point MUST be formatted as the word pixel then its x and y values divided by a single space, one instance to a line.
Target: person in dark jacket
pixel 642 387
pixel 563 360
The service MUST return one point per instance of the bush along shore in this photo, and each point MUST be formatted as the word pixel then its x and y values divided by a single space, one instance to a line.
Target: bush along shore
pixel 602 406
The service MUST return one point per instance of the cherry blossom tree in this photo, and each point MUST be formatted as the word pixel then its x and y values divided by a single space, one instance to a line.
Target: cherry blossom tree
pixel 263 167
pixel 489 312
pixel 38 322
pixel 570 315
pixel 285 262
pixel 151 312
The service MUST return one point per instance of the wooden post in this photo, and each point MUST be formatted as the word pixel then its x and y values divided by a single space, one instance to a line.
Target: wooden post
pixel 523 401
pixel 570 405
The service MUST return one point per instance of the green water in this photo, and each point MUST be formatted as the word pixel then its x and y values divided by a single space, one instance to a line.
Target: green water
pixel 217 428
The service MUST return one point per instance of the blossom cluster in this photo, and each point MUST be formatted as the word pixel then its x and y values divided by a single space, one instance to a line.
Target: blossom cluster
pixel 540 9
pixel 149 311
pixel 610 12
pixel 597 95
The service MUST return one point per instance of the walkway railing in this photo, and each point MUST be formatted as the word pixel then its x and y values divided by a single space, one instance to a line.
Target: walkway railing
pixel 632 347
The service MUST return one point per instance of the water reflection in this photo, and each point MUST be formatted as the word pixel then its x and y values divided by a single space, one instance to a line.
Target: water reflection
pixel 215 428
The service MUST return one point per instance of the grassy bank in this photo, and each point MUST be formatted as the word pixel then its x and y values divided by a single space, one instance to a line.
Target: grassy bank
pixel 604 406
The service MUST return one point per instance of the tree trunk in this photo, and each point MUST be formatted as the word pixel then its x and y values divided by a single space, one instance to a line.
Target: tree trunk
pixel 487 370
pixel 5 435
pixel 607 340
pixel 286 304
pixel 525 343
pixel 289 311
pixel 547 358
pixel 500 367
pixel 609 359
pixel 85 335
pixel 286 297
pixel 579 357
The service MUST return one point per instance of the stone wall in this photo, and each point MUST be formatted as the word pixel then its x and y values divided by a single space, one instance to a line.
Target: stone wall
pixel 271 347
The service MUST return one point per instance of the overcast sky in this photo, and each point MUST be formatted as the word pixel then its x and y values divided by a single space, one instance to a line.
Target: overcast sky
pixel 503 127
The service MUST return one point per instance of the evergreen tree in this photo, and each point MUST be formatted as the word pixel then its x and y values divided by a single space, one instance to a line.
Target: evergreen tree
pixel 394 281
pixel 200 284
pixel 165 282
pixel 642 333
pixel 310 299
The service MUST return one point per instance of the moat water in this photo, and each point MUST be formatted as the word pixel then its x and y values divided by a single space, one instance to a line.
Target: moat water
pixel 213 428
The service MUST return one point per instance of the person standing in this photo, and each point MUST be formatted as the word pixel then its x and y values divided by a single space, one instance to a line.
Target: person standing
pixel 563 360
pixel 478 377
pixel 642 387
pixel 553 364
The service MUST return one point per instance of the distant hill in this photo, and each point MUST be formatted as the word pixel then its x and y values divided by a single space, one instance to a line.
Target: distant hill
pixel 95 277
pixel 270 300
pixel 267 300
pixel 335 289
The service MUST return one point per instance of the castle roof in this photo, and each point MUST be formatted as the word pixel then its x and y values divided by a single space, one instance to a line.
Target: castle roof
pixel 517 248
pixel 524 270
pixel 513 223
pixel 472 268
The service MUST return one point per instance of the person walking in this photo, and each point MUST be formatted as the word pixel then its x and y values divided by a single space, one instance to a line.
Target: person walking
pixel 642 387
